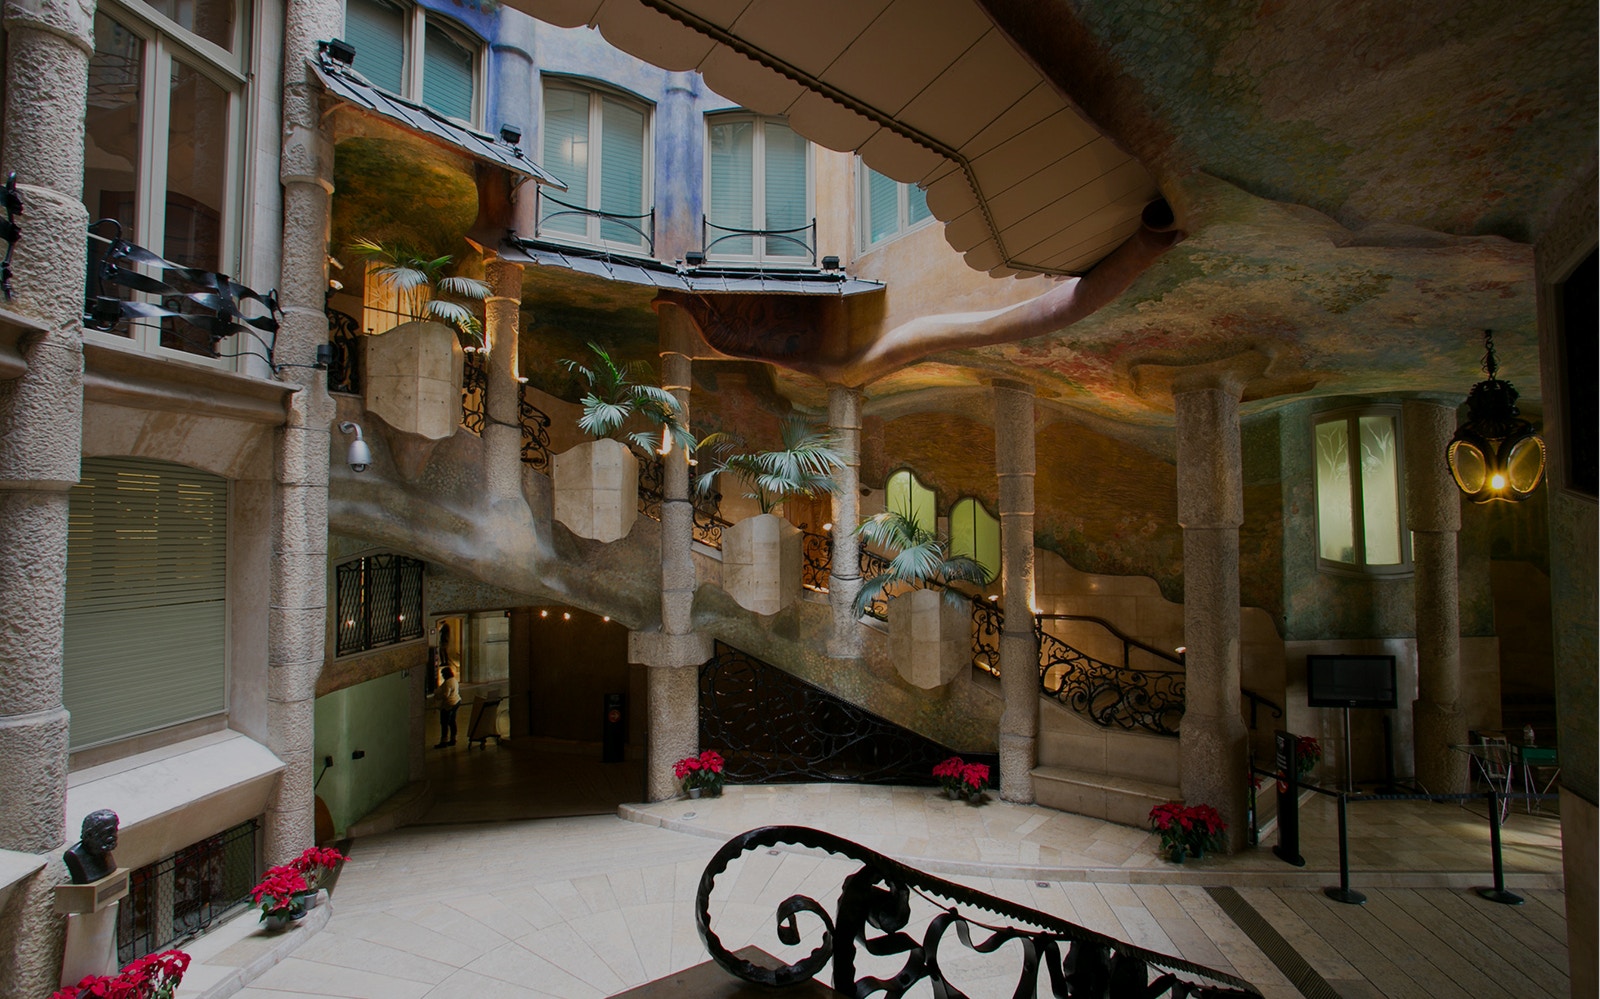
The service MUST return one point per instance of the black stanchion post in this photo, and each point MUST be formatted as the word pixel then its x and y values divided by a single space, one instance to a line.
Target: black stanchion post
pixel 1498 893
pixel 1343 893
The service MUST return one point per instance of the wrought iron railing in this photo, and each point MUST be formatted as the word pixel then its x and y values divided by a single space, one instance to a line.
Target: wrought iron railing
pixel 635 223
pixel 987 618
pixel 804 237
pixel 535 431
pixel 883 897
pixel 378 599
pixel 1257 701
pixel 180 896
pixel 475 390
pixel 709 523
pixel 344 369
pixel 772 727
pixel 1109 695
pixel 10 231
pixel 816 560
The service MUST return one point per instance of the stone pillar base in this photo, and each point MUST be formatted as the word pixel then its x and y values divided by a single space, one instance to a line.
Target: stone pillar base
pixel 673 691
pixel 1214 761
pixel 1440 769
pixel 1017 755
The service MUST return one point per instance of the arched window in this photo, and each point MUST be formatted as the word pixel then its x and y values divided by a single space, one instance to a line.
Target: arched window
pixel 909 497
pixel 975 532
pixel 1360 522
pixel 598 143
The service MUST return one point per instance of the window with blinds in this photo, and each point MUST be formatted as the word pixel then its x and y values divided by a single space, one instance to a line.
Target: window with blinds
pixel 146 607
pixel 388 38
pixel 758 177
pixel 378 31
pixel 598 144
pixel 887 207
pixel 449 71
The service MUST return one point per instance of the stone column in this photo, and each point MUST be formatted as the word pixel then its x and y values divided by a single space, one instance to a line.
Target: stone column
pixel 1433 513
pixel 1019 646
pixel 502 431
pixel 844 572
pixel 41 431
pixel 1213 747
pixel 298 612
pixel 673 654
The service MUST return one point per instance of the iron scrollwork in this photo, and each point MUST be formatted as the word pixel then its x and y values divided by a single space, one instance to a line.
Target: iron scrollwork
pixel 816 560
pixel 10 231
pixel 535 432
pixel 986 621
pixel 874 909
pixel 344 370
pixel 1112 696
pixel 652 485
pixel 475 391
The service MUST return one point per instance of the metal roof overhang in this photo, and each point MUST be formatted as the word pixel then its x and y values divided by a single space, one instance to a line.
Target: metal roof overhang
pixel 709 279
pixel 345 84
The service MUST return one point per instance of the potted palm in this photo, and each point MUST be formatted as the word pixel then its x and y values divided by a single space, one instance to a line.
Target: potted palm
pixel 413 377
pixel 596 483
pixel 930 625
pixel 761 554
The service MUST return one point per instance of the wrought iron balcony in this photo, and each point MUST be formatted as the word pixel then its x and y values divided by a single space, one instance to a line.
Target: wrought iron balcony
pixel 801 238
pixel 644 226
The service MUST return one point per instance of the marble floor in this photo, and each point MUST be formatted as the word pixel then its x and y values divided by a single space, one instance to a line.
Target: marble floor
pixel 591 905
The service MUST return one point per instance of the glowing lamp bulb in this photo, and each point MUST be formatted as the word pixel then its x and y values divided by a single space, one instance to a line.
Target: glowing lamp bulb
pixel 1497 482
pixel 566 617
pixel 544 613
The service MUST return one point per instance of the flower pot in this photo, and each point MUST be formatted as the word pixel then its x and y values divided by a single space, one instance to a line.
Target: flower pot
pixel 695 792
pixel 974 797
pixel 309 899
pixel 280 919
pixel 952 794
pixel 596 489
pixel 1176 854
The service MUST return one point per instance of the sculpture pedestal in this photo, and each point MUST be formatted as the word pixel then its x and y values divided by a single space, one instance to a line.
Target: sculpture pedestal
pixel 91 911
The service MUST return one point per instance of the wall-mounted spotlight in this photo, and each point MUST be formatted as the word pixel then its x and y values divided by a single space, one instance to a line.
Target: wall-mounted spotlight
pixel 830 263
pixel 511 134
pixel 342 51
pixel 360 457
pixel 694 258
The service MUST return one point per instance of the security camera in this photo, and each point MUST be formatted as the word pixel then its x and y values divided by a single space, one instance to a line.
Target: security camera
pixel 360 456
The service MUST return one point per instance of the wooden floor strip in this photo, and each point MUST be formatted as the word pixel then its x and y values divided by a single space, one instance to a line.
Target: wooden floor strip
pixel 1294 967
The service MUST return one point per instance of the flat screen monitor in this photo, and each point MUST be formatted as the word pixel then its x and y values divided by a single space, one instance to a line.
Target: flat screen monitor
pixel 1350 681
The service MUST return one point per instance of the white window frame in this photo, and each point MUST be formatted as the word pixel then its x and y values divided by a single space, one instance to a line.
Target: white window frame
pixel 596 95
pixel 903 223
pixel 758 188
pixel 414 42
pixel 1351 416
pixel 163 40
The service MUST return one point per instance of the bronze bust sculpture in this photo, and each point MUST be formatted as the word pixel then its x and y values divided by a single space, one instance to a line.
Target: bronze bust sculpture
pixel 91 860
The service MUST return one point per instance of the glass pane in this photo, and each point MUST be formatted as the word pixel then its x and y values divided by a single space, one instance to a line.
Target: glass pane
pixel 911 499
pixel 963 529
pixel 377 29
pixel 621 169
pixel 1467 465
pixel 210 19
pixel 988 535
pixel 730 201
pixel 111 139
pixel 975 534
pixel 917 202
pixel 1380 490
pixel 786 191
pixel 1525 464
pixel 197 178
pixel 566 154
pixel 883 208
pixel 1336 534
pixel 447 74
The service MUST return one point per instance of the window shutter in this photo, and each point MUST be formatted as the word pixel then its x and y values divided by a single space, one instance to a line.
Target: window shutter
pixel 917 204
pixel 787 190
pixel 146 608
pixel 732 196
pixel 377 30
pixel 447 74
pixel 883 207
pixel 566 154
pixel 621 168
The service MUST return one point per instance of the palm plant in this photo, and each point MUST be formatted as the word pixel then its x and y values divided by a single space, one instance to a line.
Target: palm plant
pixel 616 392
pixel 922 558
pixel 422 288
pixel 803 466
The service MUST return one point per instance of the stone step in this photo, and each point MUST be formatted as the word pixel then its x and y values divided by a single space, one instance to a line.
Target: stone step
pixel 1116 799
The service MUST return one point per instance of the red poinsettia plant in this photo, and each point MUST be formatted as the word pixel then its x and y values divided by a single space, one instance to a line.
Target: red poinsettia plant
pixel 960 777
pixel 316 863
pixel 154 976
pixel 278 893
pixel 1307 754
pixel 703 771
pixel 1191 829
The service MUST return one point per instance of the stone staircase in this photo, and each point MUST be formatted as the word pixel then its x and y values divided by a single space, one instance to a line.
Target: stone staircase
pixel 1101 772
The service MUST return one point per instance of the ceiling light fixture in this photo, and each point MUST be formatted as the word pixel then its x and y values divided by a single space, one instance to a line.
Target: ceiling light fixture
pixel 1495 455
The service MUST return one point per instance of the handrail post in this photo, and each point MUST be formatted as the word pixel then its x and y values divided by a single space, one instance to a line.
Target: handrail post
pixel 1498 892
pixel 1343 893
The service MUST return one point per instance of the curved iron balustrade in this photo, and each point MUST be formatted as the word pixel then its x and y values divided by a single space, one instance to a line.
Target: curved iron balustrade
pixel 475 391
pixel 987 617
pixel 874 909
pixel 344 370
pixel 816 560
pixel 535 431
pixel 1109 695
pixel 541 216
pixel 708 520
pixel 781 235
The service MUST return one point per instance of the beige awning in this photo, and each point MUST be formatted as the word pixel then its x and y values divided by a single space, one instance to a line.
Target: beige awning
pixel 926 91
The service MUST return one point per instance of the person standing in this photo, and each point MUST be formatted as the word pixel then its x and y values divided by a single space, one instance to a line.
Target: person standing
pixel 447 692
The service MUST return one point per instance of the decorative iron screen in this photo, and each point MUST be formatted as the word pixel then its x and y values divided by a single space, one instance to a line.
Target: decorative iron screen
pixel 379 602
pixel 774 728
pixel 180 896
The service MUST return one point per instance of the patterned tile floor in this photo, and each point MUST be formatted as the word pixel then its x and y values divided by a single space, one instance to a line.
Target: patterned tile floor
pixel 590 905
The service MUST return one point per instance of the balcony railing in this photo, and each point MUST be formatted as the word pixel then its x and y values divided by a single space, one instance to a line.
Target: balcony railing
pixel 644 226
pixel 475 390
pixel 344 369
pixel 803 238
pixel 708 520
pixel 535 432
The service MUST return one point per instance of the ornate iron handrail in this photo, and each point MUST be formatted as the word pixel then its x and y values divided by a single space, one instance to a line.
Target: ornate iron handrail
pixel 1128 642
pixel 475 390
pixel 708 522
pixel 10 231
pixel 874 908
pixel 535 431
pixel 344 370
pixel 782 235
pixel 816 560
pixel 540 217
pixel 773 727
pixel 987 617
pixel 1109 695
pixel 1256 700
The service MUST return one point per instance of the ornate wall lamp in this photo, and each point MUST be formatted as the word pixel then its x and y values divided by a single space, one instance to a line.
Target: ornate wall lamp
pixel 1495 455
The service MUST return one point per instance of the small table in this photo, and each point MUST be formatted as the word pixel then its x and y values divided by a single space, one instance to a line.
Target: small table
pixel 1498 763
